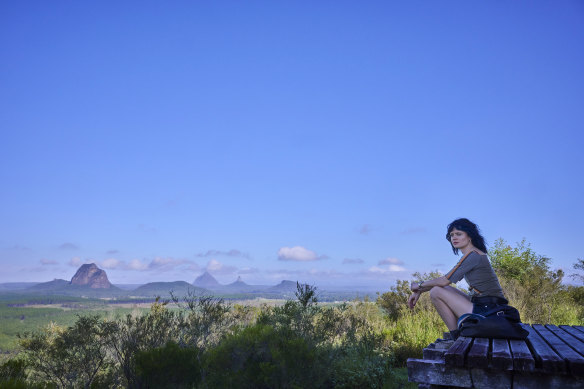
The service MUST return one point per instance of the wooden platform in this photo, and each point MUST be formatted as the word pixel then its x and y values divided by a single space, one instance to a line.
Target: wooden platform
pixel 551 357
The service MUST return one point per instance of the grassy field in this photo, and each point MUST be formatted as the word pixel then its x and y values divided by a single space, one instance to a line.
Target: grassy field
pixel 19 314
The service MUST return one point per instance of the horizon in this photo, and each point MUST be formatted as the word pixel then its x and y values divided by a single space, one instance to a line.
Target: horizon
pixel 330 143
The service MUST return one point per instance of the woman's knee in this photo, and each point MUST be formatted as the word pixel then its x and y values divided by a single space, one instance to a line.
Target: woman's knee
pixel 436 292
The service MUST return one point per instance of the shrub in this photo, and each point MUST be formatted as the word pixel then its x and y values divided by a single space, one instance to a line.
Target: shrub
pixel 169 366
pixel 262 357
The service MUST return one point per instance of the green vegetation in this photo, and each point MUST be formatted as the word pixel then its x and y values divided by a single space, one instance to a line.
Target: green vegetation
pixel 199 341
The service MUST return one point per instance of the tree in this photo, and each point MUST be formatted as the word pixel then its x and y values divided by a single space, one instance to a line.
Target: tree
pixel 529 283
pixel 68 357
pixel 395 301
pixel 579 265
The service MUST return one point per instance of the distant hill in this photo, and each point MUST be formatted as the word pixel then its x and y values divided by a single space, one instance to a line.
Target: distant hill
pixel 207 281
pixel 284 286
pixel 16 285
pixel 65 288
pixel 51 285
pixel 163 289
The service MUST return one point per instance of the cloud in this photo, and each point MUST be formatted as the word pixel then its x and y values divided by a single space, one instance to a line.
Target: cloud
pixel 298 254
pixel 166 263
pixel 46 262
pixel 365 229
pixel 217 253
pixel 158 264
pixel 112 252
pixel 76 262
pixel 68 246
pixel 413 230
pixel 111 263
pixel 216 267
pixel 390 261
pixel 386 270
pixel 350 261
pixel 136 264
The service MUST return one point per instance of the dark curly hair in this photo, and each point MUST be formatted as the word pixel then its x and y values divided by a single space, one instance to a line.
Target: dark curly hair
pixel 471 229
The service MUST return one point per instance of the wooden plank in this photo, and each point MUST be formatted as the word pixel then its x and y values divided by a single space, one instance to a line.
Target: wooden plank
pixel 545 357
pixel 574 360
pixel 456 354
pixel 478 356
pixel 501 355
pixel 579 328
pixel 433 354
pixel 576 345
pixel 522 359
pixel 436 373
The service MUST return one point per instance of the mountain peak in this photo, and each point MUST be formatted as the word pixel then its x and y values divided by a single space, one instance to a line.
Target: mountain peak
pixel 91 275
pixel 206 280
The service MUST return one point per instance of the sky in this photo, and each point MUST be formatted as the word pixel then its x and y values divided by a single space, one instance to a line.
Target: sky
pixel 329 142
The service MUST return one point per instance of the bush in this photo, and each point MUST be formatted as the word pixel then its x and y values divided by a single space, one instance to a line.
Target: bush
pixel 262 357
pixel 168 367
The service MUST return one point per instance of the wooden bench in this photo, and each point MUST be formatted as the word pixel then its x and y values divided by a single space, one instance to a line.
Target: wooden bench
pixel 551 357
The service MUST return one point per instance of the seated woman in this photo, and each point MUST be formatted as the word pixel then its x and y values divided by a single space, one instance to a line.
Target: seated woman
pixel 484 289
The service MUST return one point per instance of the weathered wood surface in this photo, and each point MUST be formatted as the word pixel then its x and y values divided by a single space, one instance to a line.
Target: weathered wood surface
pixel 478 356
pixel 501 358
pixel 456 354
pixel 574 360
pixel 551 357
pixel 545 357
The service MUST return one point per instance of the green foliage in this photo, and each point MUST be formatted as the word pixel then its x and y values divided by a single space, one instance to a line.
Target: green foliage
pixel 169 367
pixel 132 334
pixel 413 331
pixel 519 262
pixel 396 299
pixel 67 357
pixel 531 286
pixel 393 301
pixel 579 265
pixel 262 357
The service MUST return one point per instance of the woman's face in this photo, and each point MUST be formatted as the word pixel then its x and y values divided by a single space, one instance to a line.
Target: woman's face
pixel 459 239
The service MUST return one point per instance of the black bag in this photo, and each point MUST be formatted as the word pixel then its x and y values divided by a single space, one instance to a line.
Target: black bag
pixel 501 322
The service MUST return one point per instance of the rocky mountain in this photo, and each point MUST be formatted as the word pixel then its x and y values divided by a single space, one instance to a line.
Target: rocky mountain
pixel 207 281
pixel 92 276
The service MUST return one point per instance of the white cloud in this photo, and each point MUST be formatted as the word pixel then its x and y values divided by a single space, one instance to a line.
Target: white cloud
pixel 298 254
pixel 216 267
pixel 111 263
pixel 390 261
pixel 136 264
pixel 386 270
pixel 76 262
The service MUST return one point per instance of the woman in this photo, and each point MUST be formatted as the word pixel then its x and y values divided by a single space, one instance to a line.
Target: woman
pixel 485 290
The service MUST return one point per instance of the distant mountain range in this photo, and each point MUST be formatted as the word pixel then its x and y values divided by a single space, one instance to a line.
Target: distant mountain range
pixel 91 281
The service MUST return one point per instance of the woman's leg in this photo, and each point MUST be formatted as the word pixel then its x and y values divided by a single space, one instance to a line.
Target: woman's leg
pixel 450 304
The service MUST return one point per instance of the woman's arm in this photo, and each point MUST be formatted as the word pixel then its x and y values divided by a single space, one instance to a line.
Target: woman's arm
pixel 425 286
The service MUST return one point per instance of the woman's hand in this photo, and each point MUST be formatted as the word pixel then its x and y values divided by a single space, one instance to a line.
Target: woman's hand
pixel 413 299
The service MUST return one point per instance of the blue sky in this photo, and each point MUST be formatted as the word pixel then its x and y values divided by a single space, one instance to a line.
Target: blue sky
pixel 329 142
